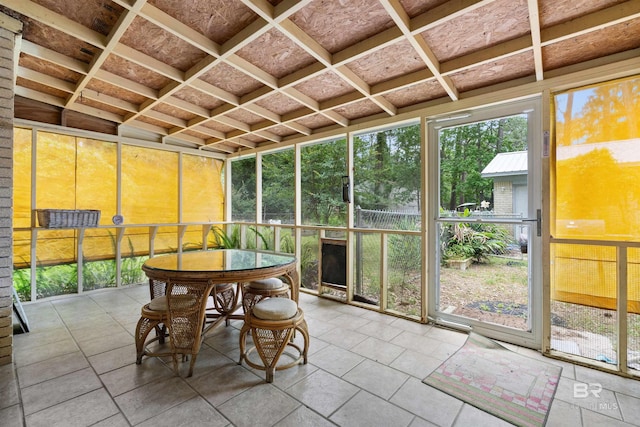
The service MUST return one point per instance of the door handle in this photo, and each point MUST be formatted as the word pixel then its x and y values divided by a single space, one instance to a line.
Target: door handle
pixel 538 220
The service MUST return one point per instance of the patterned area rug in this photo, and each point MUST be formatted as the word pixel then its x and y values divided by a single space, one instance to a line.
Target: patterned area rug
pixel 492 378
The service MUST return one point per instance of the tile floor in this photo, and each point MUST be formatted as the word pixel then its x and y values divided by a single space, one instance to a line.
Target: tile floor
pixel 76 368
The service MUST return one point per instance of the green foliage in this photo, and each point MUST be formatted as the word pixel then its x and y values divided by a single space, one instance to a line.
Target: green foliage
pixel 405 256
pixel 224 240
pixel 243 189
pixel 322 168
pixel 131 270
pixel 309 263
pixel 98 274
pixel 278 185
pixel 55 280
pixel 287 244
pixel 477 241
pixel 22 283
pixel 405 251
pixel 466 150
pixel 387 165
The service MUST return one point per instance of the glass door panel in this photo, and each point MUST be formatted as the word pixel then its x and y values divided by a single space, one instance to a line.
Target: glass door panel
pixel 486 226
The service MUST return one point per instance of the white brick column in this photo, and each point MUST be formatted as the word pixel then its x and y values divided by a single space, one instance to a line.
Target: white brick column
pixel 10 30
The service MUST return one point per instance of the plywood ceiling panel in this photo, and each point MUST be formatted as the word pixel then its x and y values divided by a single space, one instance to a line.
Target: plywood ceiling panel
pixel 325 86
pixel 56 40
pixel 230 79
pixel 276 54
pixel 102 106
pixel 358 110
pixel 279 104
pixel 174 111
pixel 48 90
pixel 134 72
pixel 392 61
pixel 218 20
pixel 495 72
pixel 416 94
pixel 553 12
pixel 417 7
pixel 229 75
pixel 332 23
pixel 159 44
pixel 217 126
pixel 99 15
pixel 115 91
pixel 198 98
pixel 487 26
pixel 48 68
pixel 617 38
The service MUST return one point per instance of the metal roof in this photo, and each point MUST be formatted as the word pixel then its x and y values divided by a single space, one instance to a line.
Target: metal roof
pixel 506 164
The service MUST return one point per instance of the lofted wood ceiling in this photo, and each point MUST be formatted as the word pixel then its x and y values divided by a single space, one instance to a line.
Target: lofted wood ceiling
pixel 228 75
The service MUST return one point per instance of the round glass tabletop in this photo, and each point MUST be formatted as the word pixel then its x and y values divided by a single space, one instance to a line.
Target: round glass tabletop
pixel 220 260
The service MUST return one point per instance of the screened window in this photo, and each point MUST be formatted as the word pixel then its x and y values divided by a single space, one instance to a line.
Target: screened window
pixel 278 187
pixel 323 166
pixel 386 182
pixel 243 190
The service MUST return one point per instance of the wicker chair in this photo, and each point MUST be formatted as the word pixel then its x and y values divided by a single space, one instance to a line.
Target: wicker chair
pixel 223 302
pixel 272 323
pixel 153 316
pixel 257 290
pixel 182 311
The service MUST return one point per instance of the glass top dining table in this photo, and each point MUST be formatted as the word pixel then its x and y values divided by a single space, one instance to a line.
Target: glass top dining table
pixel 212 263
pixel 222 269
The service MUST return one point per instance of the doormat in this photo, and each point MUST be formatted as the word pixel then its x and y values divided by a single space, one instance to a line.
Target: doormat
pixel 492 378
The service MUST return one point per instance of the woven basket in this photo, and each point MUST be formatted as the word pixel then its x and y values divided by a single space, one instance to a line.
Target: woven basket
pixel 66 218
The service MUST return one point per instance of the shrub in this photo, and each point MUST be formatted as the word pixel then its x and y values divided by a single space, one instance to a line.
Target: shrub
pixel 477 241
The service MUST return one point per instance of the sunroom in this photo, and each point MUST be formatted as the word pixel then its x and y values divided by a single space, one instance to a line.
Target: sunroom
pixel 350 134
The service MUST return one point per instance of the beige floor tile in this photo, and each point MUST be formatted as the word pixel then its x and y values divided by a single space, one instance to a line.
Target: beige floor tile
pixel 51 368
pixel 12 416
pixel 224 383
pixel 304 417
pixel 415 364
pixel 113 359
pixel 84 410
pixel 365 368
pixel 427 402
pixel 376 378
pixel 378 350
pixel 193 412
pixel 132 376
pixel 260 405
pixel 336 360
pixel 472 416
pixel 153 398
pixel 322 392
pixel 35 354
pixel 365 410
pixel 57 390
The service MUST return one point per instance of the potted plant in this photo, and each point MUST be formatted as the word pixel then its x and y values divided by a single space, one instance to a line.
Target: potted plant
pixel 463 244
pixel 458 250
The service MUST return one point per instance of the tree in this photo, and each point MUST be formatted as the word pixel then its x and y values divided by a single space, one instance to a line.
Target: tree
pixel 466 150
pixel 243 188
pixel 387 168
pixel 323 166
pixel 278 185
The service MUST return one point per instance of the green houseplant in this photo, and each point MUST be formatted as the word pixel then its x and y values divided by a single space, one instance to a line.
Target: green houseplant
pixel 463 242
